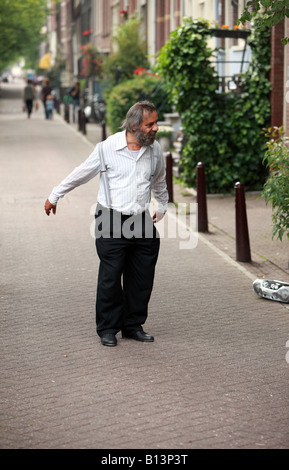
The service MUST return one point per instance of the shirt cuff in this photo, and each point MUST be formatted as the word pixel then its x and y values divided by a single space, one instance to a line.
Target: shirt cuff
pixel 162 209
pixel 53 199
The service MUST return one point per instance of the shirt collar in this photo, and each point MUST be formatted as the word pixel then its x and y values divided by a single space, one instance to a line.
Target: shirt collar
pixel 121 143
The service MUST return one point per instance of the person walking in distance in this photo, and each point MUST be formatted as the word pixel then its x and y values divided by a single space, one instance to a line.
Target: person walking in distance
pixel 131 165
pixel 75 94
pixel 28 97
pixel 46 90
pixel 50 106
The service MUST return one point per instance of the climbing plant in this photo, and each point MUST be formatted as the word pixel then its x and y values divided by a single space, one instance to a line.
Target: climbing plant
pixel 128 54
pixel 91 61
pixel 276 188
pixel 273 12
pixel 223 130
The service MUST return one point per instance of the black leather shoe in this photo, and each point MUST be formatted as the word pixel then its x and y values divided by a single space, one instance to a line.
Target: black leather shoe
pixel 139 336
pixel 108 339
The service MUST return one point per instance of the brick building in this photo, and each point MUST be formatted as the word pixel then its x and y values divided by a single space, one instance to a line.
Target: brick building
pixel 78 22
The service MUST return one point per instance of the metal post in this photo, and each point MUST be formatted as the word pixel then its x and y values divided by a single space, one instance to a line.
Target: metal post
pixel 57 105
pixel 242 235
pixel 66 113
pixel 169 175
pixel 83 122
pixel 79 120
pixel 103 126
pixel 202 198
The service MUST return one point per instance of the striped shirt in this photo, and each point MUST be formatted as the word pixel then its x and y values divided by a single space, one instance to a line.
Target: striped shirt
pixel 130 179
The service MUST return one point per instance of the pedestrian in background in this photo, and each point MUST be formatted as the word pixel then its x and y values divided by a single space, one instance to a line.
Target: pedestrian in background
pixel 37 88
pixel 28 96
pixel 134 166
pixel 49 105
pixel 46 90
pixel 75 94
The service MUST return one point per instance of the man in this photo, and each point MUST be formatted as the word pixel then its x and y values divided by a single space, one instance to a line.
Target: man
pixel 28 97
pixel 46 90
pixel 75 94
pixel 127 241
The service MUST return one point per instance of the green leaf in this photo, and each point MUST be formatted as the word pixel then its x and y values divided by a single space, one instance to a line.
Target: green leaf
pixel 266 3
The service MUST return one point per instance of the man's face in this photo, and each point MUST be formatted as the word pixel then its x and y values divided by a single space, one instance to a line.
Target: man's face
pixel 146 134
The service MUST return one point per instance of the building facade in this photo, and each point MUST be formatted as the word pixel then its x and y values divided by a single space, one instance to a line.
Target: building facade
pixel 75 23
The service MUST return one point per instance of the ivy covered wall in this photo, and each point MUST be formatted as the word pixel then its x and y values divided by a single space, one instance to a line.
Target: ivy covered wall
pixel 225 131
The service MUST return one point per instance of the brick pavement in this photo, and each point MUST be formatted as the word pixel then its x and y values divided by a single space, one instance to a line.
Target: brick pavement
pixel 216 375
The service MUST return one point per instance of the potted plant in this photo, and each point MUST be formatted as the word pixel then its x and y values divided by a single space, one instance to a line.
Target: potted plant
pixel 226 32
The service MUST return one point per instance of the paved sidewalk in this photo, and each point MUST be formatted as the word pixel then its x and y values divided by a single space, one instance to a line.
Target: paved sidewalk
pixel 216 376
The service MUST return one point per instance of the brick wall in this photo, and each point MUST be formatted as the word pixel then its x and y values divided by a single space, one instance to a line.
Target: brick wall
pixel 277 75
pixel 286 87
pixel 163 18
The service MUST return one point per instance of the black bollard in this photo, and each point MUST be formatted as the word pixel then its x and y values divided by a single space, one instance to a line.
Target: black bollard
pixel 202 198
pixel 57 105
pixel 169 175
pixel 66 113
pixel 103 127
pixel 79 120
pixel 243 253
pixel 83 122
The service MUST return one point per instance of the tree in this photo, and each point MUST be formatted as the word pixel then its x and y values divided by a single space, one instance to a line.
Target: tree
pixel 130 53
pixel 20 29
pixel 273 11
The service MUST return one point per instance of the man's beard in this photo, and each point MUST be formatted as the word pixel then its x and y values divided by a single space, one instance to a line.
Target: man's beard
pixel 144 140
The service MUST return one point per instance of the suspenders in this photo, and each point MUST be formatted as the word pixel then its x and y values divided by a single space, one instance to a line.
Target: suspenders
pixel 152 167
pixel 103 171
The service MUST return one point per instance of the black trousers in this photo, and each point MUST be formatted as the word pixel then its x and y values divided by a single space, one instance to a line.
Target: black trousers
pixel 29 106
pixel 125 280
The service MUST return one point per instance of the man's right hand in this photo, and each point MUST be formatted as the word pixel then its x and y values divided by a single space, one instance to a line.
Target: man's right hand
pixel 48 207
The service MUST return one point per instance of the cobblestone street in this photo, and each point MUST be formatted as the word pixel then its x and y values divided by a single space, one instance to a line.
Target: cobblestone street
pixel 216 376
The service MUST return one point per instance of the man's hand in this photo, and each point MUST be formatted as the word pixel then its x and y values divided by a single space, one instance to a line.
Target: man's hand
pixel 48 207
pixel 157 216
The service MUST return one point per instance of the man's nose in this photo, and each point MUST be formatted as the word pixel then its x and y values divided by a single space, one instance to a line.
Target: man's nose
pixel 155 128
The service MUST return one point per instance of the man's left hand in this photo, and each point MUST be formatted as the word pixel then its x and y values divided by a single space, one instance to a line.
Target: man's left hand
pixel 48 207
pixel 157 217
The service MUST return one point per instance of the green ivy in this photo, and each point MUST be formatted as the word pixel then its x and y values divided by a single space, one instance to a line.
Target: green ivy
pixel 223 130
pixel 124 95
pixel 272 12
pixel 276 188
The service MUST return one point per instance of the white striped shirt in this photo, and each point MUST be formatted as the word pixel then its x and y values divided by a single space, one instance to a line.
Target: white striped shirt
pixel 130 179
